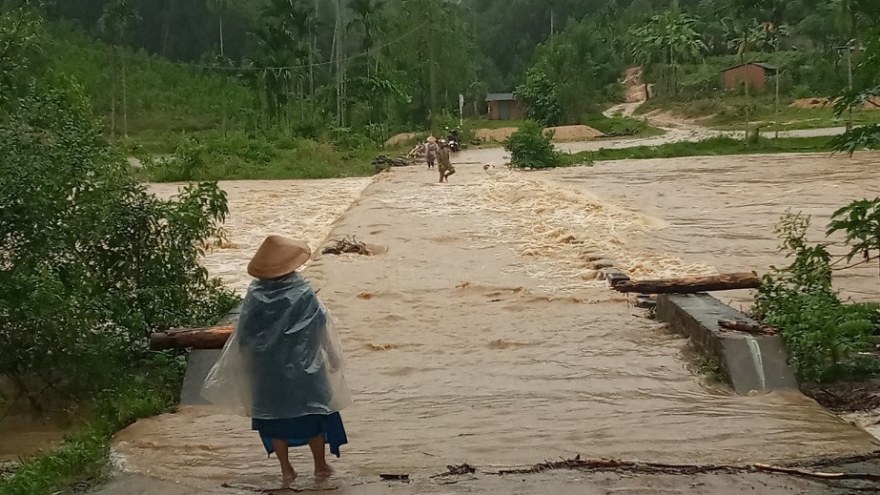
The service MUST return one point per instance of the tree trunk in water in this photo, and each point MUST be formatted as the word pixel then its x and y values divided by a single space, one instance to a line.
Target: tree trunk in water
pixel 192 338
pixel 691 285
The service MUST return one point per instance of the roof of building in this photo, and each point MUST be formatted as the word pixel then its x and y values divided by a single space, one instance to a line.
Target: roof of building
pixel 500 97
pixel 762 65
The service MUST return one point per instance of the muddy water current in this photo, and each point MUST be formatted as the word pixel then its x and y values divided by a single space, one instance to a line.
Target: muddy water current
pixel 483 336
pixel 722 211
pixel 303 210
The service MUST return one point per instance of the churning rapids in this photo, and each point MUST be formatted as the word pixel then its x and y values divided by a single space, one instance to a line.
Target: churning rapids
pixel 483 336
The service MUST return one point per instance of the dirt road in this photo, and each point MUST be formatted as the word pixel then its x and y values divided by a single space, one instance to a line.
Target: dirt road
pixel 482 335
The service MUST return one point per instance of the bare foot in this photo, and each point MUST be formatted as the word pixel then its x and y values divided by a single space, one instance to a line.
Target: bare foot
pixel 287 479
pixel 324 471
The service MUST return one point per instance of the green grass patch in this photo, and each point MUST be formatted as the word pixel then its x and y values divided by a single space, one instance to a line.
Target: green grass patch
pixel 709 147
pixel 213 155
pixel 625 125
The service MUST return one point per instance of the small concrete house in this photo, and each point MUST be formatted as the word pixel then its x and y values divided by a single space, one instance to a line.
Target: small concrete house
pixel 504 106
pixel 755 74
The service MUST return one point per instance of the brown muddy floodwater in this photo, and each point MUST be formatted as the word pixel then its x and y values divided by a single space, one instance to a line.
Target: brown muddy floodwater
pixel 23 436
pixel 301 209
pixel 482 336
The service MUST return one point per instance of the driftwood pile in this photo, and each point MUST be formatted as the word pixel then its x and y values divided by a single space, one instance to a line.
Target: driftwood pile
pixel 384 163
pixel 417 152
pixel 460 470
pixel 348 245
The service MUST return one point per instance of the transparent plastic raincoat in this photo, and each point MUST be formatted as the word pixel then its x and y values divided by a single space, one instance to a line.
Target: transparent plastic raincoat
pixel 283 360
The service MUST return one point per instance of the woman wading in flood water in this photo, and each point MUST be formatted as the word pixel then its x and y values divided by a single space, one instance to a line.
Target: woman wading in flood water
pixel 282 366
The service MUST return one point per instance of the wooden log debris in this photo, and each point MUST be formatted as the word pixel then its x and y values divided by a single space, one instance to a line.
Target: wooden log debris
pixel 747 327
pixel 348 245
pixel 614 465
pixel 191 338
pixel 691 285
pixel 459 470
pixel 817 475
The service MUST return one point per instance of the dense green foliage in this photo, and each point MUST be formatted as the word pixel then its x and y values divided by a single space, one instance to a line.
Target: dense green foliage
pixel 90 262
pixel 160 95
pixel 377 67
pixel 827 339
pixel 371 67
pixel 572 75
pixel 532 147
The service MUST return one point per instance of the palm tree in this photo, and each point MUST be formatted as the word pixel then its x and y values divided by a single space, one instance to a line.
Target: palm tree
pixel 369 16
pixel 283 43
pixel 670 38
pixel 746 35
pixel 118 16
pixel 219 7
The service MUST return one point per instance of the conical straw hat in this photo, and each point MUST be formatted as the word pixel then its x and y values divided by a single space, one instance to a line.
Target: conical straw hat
pixel 278 256
pixel 432 139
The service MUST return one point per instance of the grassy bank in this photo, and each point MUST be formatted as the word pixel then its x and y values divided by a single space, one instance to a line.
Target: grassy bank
pixel 613 125
pixel 708 147
pixel 213 155
pixel 82 460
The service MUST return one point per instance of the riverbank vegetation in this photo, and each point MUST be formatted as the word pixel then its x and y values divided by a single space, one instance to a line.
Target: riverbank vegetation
pixel 708 147
pixel 828 339
pixel 90 264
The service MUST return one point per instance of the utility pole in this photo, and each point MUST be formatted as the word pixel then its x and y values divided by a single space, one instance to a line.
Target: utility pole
pixel 432 72
pixel 849 46
pixel 340 63
pixel 776 38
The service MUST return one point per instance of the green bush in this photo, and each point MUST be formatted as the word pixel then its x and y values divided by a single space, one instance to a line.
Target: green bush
pixel 538 94
pixel 91 262
pixel 532 147
pixel 825 337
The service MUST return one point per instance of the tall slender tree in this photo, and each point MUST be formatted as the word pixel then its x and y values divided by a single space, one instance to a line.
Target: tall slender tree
pixel 369 18
pixel 220 8
pixel 118 17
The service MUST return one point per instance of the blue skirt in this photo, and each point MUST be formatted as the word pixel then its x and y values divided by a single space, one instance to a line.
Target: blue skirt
pixel 298 431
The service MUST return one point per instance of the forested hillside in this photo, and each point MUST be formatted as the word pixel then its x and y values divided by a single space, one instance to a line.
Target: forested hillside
pixel 381 66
